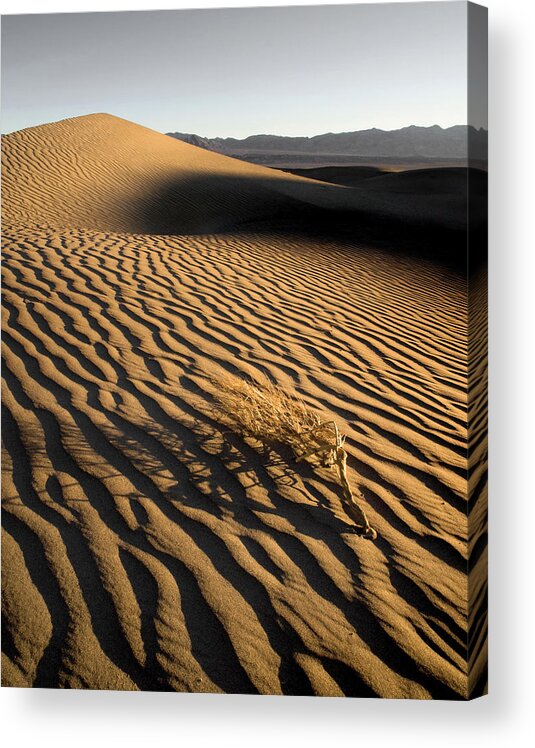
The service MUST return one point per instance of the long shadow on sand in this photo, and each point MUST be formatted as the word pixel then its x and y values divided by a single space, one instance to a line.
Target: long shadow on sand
pixel 420 212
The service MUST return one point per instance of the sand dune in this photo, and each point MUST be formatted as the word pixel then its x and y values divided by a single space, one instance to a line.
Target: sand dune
pixel 147 546
pixel 117 176
pixel 114 175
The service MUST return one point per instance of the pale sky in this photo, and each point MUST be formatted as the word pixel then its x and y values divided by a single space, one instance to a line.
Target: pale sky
pixel 238 72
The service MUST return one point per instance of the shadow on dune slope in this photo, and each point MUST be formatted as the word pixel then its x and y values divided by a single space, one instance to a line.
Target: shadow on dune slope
pixel 420 212
pixel 103 173
pixel 349 176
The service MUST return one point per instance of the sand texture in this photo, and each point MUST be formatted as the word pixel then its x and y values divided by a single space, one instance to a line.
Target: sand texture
pixel 146 545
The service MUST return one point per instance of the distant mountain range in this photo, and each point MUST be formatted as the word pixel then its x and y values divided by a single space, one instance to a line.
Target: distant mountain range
pixel 406 143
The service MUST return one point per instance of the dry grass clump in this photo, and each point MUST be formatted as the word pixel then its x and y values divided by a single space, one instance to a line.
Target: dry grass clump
pixel 267 413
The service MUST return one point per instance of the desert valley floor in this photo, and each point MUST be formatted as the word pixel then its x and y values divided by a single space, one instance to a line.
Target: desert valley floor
pixel 145 544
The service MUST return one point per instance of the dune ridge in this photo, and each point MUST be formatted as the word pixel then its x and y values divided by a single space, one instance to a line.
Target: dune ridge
pixel 102 172
pixel 146 546
pixel 113 173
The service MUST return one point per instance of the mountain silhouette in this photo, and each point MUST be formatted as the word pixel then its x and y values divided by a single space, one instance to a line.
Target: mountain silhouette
pixel 406 143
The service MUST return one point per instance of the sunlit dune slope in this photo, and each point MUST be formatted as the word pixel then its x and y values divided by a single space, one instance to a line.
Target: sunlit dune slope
pixel 105 173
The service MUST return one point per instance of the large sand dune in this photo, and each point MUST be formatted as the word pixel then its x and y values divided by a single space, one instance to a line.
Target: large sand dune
pixel 105 173
pixel 145 545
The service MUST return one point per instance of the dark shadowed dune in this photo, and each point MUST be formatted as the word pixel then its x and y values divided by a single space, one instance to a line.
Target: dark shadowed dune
pixel 348 176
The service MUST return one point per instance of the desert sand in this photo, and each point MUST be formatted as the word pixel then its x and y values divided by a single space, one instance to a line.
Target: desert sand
pixel 146 545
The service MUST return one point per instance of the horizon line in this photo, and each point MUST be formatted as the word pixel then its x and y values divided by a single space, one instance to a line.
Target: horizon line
pixel 330 132
pixel 252 135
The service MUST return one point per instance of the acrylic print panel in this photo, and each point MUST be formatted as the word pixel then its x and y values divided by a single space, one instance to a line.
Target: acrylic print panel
pixel 244 341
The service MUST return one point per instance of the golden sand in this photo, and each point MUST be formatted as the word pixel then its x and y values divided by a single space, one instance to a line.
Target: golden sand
pixel 147 546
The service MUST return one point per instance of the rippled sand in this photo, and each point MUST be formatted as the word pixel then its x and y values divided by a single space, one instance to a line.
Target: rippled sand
pixel 146 546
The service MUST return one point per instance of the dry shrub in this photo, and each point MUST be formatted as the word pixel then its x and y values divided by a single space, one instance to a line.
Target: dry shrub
pixel 266 412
